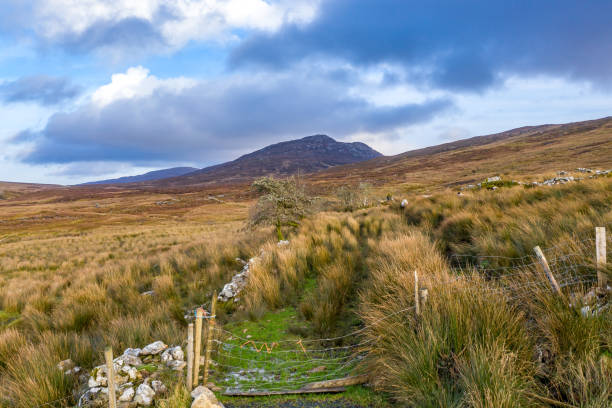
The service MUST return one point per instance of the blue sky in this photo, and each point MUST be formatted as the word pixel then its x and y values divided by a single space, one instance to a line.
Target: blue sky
pixel 92 89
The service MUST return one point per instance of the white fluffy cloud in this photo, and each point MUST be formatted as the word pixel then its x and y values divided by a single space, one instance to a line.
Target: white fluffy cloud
pixel 137 83
pixel 176 22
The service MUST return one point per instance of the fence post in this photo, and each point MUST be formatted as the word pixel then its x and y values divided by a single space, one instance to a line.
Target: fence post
pixel 547 271
pixel 197 346
pixel 600 240
pixel 417 294
pixel 209 334
pixel 190 357
pixel 110 377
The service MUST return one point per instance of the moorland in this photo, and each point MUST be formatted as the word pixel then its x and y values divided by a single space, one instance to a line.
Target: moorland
pixel 85 267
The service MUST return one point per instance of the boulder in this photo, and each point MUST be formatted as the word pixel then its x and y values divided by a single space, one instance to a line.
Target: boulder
pixel 153 348
pixel 158 387
pixel 204 398
pixel 177 353
pixel 144 395
pixel 127 395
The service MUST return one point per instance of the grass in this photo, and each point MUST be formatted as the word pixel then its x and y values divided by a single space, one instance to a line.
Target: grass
pixel 68 289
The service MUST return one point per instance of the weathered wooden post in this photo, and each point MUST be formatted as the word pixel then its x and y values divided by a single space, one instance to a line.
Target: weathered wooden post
pixel 197 346
pixel 190 357
pixel 417 295
pixel 110 377
pixel 600 242
pixel 209 334
pixel 547 271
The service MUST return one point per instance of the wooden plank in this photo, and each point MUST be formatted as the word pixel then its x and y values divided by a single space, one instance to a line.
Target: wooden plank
pixel 288 392
pixel 110 377
pixel 340 382
pixel 600 241
pixel 547 271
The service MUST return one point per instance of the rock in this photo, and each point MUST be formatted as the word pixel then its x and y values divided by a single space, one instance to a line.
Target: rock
pixel 177 353
pixel 148 293
pixel 166 356
pixel 127 395
pixel 144 395
pixel 211 386
pixel 282 243
pixel 492 179
pixel 404 203
pixel 132 352
pixel 318 369
pixel 204 398
pixel 153 348
pixel 239 281
pixel 130 360
pixel 131 372
pixel 158 387
pixel 92 383
pixel 65 365
pixel 176 364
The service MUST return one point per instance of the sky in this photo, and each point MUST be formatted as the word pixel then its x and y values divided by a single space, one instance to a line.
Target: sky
pixel 94 89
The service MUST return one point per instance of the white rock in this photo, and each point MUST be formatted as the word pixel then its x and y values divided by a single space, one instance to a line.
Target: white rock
pixel 166 356
pixel 492 179
pixel 176 364
pixel 128 359
pixel 132 352
pixel 127 395
pixel 177 353
pixel 282 243
pixel 65 365
pixel 158 387
pixel 92 383
pixel 204 398
pixel 144 395
pixel 153 348
pixel 404 203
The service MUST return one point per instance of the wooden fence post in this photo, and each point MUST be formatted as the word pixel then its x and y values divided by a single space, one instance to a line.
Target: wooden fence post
pixel 197 346
pixel 547 271
pixel 417 294
pixel 209 333
pixel 110 377
pixel 600 240
pixel 190 357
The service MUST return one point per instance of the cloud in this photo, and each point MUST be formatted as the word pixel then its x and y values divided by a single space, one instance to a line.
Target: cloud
pixel 211 121
pixel 42 89
pixel 83 26
pixel 454 45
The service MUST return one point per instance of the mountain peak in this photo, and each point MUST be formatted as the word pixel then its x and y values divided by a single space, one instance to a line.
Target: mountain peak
pixel 306 155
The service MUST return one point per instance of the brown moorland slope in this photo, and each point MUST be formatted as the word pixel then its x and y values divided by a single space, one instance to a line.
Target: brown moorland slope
pixel 524 152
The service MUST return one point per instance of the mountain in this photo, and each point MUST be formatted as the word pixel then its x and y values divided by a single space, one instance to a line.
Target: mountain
pixel 307 155
pixel 525 153
pixel 150 176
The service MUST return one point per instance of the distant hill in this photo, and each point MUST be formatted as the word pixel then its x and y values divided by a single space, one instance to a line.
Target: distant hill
pixel 524 152
pixel 307 155
pixel 150 176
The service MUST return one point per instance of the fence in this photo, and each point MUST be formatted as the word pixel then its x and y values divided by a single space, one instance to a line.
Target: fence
pixel 246 366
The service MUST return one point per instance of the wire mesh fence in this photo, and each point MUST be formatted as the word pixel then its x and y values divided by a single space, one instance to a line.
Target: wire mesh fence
pixel 246 364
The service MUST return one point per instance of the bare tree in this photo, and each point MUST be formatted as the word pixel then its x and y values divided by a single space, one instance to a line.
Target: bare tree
pixel 283 203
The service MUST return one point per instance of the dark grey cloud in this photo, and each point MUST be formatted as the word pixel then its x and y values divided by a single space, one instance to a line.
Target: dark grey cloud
pixel 214 121
pixel 449 44
pixel 42 89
